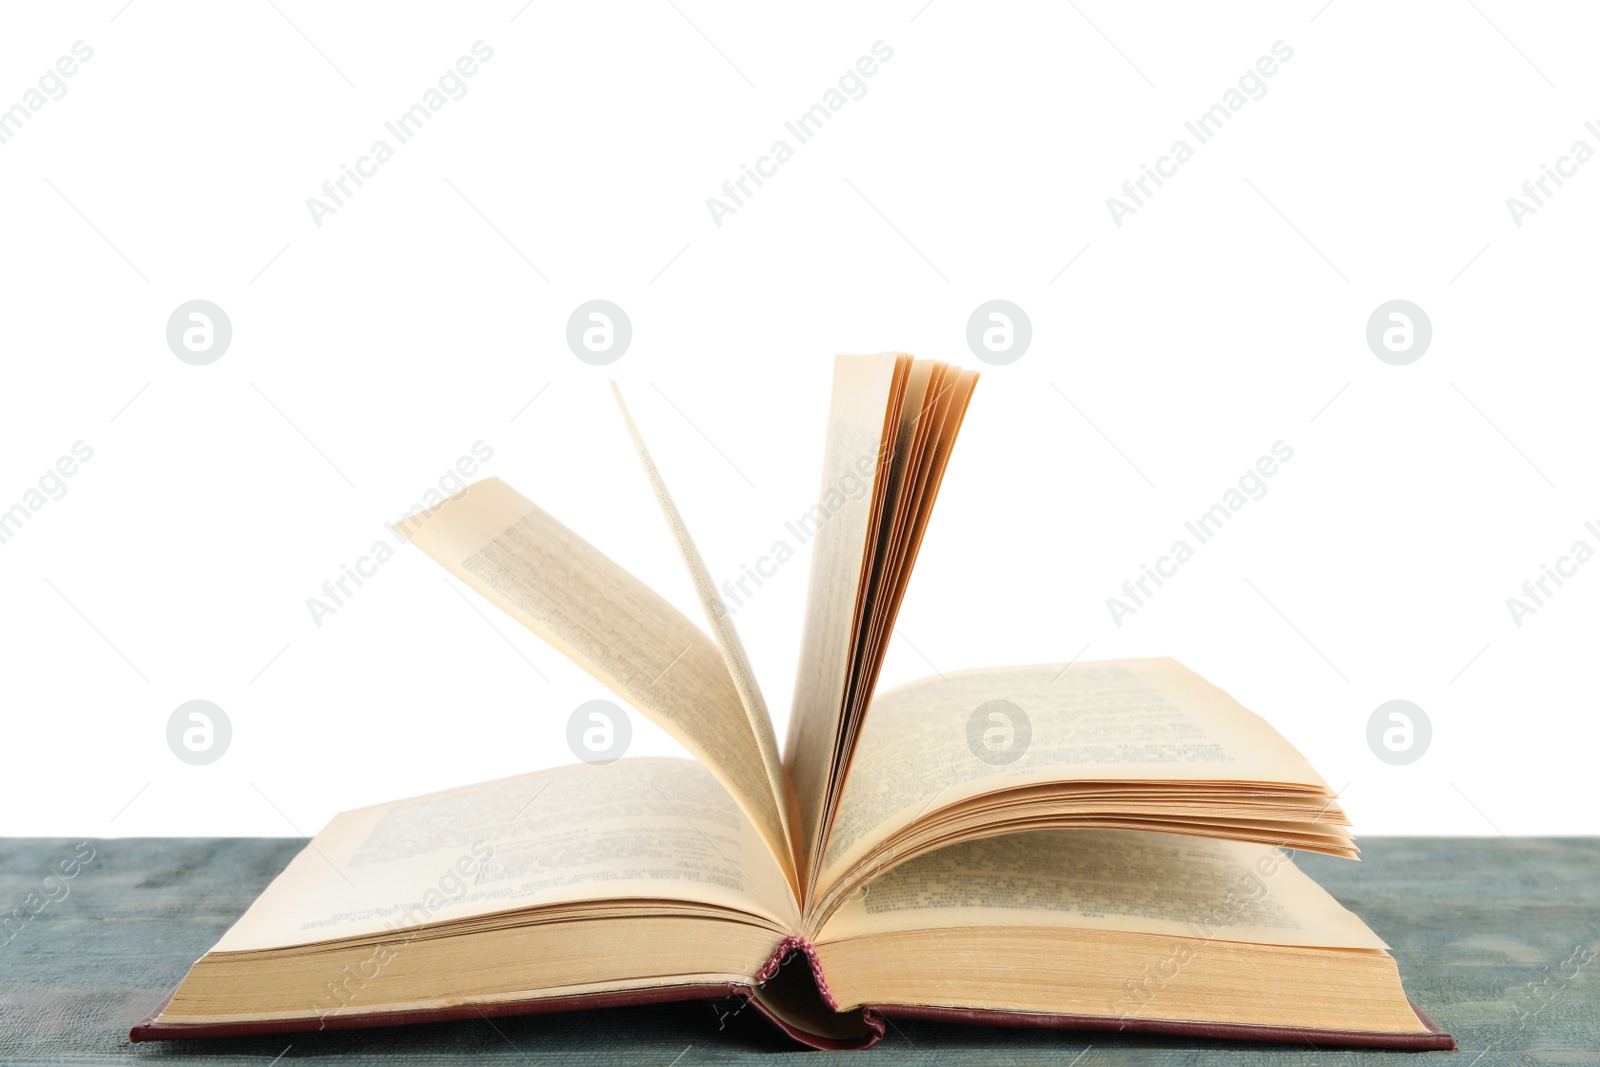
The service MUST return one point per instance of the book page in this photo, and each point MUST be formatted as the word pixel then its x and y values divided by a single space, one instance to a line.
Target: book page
pixel 929 414
pixel 858 439
pixel 930 418
pixel 649 830
pixel 609 623
pixel 1124 880
pixel 1123 720
pixel 718 618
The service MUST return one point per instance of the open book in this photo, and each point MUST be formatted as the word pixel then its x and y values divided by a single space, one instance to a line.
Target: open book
pixel 1084 845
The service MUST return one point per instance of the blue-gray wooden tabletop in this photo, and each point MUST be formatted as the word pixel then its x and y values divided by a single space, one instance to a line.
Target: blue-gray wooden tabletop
pixel 1498 939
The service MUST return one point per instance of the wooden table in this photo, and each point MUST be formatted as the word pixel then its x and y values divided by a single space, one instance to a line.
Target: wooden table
pixel 1481 927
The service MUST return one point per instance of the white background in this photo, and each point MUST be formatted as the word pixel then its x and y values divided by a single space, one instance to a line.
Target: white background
pixel 370 353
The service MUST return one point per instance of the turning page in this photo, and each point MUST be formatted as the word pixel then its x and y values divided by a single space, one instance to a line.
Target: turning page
pixel 892 426
pixel 609 623
pixel 859 435
pixel 717 617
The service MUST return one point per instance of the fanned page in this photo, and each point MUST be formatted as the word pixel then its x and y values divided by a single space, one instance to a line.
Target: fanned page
pixel 929 417
pixel 718 618
pixel 892 429
pixel 892 420
pixel 859 435
pixel 609 623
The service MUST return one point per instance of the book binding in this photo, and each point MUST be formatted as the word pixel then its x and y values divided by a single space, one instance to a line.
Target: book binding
pixel 799 1003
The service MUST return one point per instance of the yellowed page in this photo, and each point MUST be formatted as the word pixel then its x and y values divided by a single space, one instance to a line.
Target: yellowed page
pixel 652 830
pixel 930 419
pixel 1127 880
pixel 609 623
pixel 1114 923
pixel 930 413
pixel 1125 977
pixel 862 387
pixel 721 623
pixel 1123 720
pixel 510 964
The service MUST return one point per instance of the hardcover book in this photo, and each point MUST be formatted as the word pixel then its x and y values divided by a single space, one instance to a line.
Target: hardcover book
pixel 1093 845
